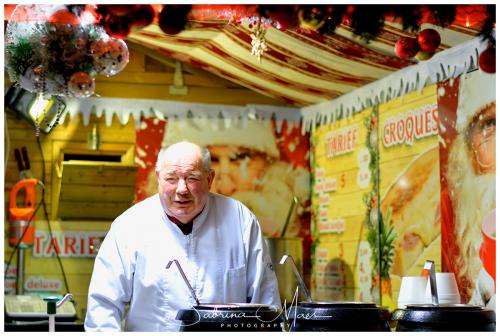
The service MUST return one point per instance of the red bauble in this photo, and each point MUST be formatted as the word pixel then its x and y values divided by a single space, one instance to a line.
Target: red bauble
pixel 173 18
pixel 429 40
pixel 143 16
pixel 406 47
pixel 121 10
pixel 64 16
pixel 487 61
pixel 117 26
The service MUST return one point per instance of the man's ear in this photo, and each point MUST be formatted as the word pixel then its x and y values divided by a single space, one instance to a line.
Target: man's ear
pixel 211 177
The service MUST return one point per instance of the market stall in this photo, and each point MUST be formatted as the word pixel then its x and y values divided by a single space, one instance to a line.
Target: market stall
pixel 339 127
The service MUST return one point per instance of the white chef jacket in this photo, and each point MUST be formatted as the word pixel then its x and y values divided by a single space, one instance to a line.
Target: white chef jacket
pixel 225 260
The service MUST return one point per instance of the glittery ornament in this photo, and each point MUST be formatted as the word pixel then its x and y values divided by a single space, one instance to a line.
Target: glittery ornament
pixel 81 85
pixel 111 56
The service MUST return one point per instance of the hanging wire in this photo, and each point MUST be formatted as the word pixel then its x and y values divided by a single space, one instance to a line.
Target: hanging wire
pixel 47 217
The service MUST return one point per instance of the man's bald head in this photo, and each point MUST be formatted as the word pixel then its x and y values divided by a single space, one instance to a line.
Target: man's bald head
pixel 182 149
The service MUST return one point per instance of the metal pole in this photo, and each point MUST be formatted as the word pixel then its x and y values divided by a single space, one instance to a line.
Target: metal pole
pixel 20 272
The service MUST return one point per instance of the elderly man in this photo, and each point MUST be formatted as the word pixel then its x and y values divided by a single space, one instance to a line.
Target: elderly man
pixel 216 240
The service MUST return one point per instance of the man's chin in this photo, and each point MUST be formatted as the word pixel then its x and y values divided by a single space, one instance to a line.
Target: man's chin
pixel 182 213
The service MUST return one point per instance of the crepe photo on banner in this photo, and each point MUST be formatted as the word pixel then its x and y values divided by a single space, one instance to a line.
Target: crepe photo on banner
pixel 467 112
pixel 253 163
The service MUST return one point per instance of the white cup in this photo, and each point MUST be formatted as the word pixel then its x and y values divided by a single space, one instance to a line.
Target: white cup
pixel 412 291
pixel 446 287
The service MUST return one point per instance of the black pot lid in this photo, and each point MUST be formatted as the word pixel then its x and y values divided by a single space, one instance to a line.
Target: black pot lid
pixel 338 304
pixel 445 314
pixel 231 306
pixel 339 311
pixel 448 306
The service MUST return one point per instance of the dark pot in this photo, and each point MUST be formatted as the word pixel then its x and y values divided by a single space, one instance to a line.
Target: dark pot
pixel 445 317
pixel 339 316
pixel 230 317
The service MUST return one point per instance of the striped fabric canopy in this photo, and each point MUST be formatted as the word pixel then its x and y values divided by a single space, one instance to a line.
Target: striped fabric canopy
pixel 299 69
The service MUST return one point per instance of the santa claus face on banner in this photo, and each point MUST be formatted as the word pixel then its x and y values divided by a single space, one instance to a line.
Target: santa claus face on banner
pixel 471 189
pixel 482 134
pixel 237 168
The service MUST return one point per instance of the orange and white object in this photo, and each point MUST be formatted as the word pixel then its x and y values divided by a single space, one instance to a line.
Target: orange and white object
pixel 20 217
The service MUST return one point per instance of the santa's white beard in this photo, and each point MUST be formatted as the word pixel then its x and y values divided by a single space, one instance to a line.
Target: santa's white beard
pixel 473 197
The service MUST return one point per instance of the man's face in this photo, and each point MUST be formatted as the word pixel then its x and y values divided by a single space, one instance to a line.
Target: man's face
pixel 483 143
pixel 183 183
pixel 237 168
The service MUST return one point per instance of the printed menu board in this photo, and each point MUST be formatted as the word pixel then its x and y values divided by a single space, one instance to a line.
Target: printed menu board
pixel 380 166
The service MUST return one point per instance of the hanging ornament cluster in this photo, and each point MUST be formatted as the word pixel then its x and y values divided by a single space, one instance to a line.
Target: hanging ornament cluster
pixel 422 47
pixel 58 50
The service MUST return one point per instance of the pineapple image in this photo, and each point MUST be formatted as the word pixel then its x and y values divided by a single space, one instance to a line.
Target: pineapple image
pixel 387 236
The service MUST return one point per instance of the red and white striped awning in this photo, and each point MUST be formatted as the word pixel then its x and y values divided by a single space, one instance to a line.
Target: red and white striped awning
pixel 300 69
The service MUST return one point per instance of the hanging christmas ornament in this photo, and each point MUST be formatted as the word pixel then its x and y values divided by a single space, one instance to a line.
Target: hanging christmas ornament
pixel 406 47
pixel 119 57
pixel 81 85
pixel 487 62
pixel 423 55
pixel 429 40
pixel 120 10
pixel 117 26
pixel 173 18
pixel 312 18
pixel 110 56
pixel 143 16
pixel 64 16
pixel 46 48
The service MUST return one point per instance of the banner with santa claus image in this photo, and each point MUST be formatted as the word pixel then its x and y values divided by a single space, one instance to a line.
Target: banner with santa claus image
pixel 467 116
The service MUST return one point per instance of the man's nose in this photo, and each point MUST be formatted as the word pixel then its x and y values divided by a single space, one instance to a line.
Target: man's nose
pixel 181 186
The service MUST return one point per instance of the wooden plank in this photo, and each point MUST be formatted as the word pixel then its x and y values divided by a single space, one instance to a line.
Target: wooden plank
pixel 82 192
pixel 97 210
pixel 165 78
pixel 98 173
pixel 195 94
